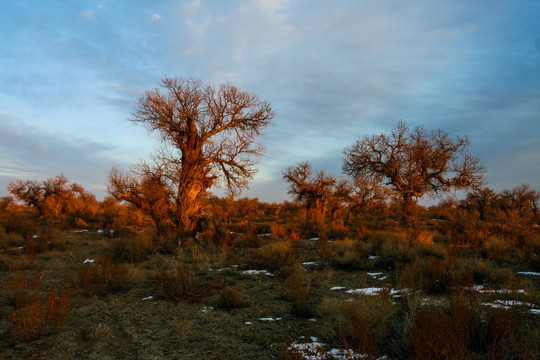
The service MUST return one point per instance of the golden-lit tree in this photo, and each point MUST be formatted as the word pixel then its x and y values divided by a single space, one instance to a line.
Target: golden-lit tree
pixel 414 163
pixel 57 199
pixel 149 192
pixel 209 138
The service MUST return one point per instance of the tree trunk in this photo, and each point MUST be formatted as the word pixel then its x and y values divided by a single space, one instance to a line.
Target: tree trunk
pixel 407 210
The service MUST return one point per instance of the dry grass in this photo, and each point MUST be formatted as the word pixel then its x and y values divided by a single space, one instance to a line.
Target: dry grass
pixel 231 298
pixel 101 277
pixel 276 254
pixel 297 289
pixel 183 285
pixel 134 248
pixel 34 317
pixel 363 323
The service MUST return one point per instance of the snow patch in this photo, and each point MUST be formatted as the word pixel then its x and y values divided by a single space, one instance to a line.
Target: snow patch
pixel 316 350
pixel 335 288
pixel 88 260
pixel 377 275
pixel 258 272
pixel 531 273
pixel 269 319
pixel 148 298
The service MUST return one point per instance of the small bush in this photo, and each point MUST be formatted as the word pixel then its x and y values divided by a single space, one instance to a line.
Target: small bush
pixel 183 285
pixel 434 337
pixel 276 254
pixel 363 324
pixel 134 248
pixel 297 289
pixel 32 317
pixel 96 279
pixel 231 298
pixel 429 274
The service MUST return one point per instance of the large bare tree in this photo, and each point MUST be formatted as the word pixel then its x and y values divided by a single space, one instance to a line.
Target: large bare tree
pixel 414 163
pixel 209 138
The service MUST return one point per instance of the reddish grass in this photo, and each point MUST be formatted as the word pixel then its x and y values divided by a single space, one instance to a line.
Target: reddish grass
pixel 32 317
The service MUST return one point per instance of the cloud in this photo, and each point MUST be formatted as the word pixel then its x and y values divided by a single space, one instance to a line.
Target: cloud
pixel 332 71
pixel 32 153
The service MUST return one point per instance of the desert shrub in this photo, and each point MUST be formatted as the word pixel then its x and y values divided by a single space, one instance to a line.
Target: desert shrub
pixel 434 337
pixel 297 289
pixel 133 248
pixel 467 329
pixel 429 274
pixel 468 272
pixel 276 254
pixel 100 277
pixel 363 323
pixel 498 335
pixel 249 239
pixel 231 298
pixel 502 250
pixel 216 237
pixel 278 231
pixel 33 316
pixel 183 285
pixel 345 253
pixel 21 223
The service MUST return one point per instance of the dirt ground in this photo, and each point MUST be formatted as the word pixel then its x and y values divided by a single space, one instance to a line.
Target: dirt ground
pixel 127 324
pixel 137 324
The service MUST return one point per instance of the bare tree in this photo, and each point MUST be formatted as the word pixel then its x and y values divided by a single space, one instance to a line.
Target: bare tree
pixel 209 139
pixel 57 199
pixel 414 163
pixel 364 193
pixel 315 192
pixel 479 200
pixel 521 198
pixel 149 192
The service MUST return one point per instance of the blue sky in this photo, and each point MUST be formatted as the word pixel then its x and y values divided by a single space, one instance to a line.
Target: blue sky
pixel 333 71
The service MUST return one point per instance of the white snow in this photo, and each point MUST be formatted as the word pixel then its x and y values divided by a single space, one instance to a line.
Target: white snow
pixel 258 272
pixel 309 263
pixel 316 350
pixel 371 291
pixel 373 257
pixel 207 309
pixel 314 239
pixel 481 289
pixel 148 298
pixel 531 273
pixel 88 260
pixel 248 323
pixel 377 275
pixel 337 288
pixel 365 291
pixel 269 319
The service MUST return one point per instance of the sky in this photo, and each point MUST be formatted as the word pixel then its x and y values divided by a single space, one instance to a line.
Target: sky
pixel 333 71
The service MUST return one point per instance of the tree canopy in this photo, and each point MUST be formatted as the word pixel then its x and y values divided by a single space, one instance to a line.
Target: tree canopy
pixel 209 137
pixel 414 163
